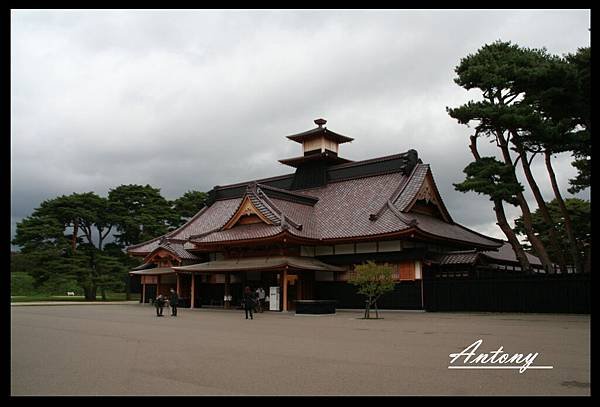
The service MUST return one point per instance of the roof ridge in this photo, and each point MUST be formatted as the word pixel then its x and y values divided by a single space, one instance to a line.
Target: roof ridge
pixel 134 246
pixel 395 193
pixel 258 181
pixel 400 215
pixel 283 218
pixel 188 223
pixel 408 180
pixel 369 161
pixel 208 232
pixel 287 192
pixel 168 234
pixel 333 167
pixel 257 201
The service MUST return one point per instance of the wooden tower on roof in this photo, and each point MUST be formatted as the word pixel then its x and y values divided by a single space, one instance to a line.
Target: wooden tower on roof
pixel 320 147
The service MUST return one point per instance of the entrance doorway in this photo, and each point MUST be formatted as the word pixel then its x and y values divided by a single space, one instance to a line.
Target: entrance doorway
pixel 150 293
pixel 292 291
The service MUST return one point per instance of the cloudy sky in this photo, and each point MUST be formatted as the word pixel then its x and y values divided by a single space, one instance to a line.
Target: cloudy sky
pixel 185 100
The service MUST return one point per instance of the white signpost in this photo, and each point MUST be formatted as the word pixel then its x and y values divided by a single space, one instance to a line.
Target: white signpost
pixel 273 298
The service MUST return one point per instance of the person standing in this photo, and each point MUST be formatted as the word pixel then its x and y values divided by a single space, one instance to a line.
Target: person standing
pixel 260 293
pixel 159 303
pixel 174 301
pixel 248 300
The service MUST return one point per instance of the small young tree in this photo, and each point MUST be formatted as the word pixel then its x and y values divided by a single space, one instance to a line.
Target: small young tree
pixel 373 281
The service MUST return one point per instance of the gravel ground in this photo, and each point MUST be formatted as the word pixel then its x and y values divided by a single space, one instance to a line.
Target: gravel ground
pixel 126 350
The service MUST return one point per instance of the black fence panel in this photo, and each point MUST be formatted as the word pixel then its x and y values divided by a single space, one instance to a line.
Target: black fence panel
pixel 556 293
pixel 135 284
pixel 406 295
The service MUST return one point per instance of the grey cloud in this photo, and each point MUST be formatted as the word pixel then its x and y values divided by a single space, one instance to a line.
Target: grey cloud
pixel 190 99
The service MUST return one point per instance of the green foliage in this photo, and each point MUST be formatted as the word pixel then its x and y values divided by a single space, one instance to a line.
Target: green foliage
pixel 583 179
pixel 373 280
pixel 580 213
pixel 490 177
pixel 536 100
pixel 140 213
pixel 21 283
pixel 38 231
pixel 500 66
pixel 45 237
pixel 47 252
pixel 188 205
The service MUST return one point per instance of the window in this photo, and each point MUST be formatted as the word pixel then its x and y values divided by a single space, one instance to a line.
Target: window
pixel 367 247
pixel 323 250
pixel 390 246
pixel 344 248
pixel 406 271
pixel 308 251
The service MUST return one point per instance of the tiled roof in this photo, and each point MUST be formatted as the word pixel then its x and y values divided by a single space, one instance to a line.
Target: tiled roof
pixel 153 271
pixel 241 232
pixel 344 207
pixel 506 253
pixel 261 263
pixel 320 131
pixel 411 188
pixel 438 227
pixel 458 258
pixel 178 250
pixel 336 211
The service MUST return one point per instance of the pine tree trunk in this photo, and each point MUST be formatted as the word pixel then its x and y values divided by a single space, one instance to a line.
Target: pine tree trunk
pixel 536 243
pixel 554 239
pixel 573 249
pixel 74 238
pixel 90 293
pixel 511 236
pixel 502 222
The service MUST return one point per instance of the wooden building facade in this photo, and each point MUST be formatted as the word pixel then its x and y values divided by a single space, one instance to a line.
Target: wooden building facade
pixel 300 235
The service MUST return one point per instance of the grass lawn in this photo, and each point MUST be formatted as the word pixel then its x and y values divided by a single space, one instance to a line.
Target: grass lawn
pixel 45 297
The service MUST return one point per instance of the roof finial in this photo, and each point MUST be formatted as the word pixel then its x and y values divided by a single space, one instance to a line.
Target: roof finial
pixel 320 122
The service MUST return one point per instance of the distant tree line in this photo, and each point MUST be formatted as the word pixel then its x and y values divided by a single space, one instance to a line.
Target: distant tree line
pixel 531 104
pixel 62 243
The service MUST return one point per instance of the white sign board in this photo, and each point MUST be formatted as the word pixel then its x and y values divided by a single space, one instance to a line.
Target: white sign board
pixel 273 298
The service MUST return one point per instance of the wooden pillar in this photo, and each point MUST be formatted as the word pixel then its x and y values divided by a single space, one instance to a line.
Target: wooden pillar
pixel 177 277
pixel 227 288
pixel 157 285
pixel 285 289
pixel 193 289
pixel 143 292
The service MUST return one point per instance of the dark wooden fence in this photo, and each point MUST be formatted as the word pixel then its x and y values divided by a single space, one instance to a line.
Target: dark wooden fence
pixel 406 295
pixel 556 293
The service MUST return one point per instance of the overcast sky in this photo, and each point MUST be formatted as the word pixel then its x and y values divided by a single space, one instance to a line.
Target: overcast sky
pixel 185 100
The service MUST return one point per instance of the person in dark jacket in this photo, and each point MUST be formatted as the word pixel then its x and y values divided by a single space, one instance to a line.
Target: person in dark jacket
pixel 159 303
pixel 174 301
pixel 249 302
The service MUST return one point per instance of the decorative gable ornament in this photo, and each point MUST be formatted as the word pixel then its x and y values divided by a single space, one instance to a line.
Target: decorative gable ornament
pixel 245 212
pixel 429 194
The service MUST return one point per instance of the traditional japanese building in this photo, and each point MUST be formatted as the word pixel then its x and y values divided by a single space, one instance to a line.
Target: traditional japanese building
pixel 303 233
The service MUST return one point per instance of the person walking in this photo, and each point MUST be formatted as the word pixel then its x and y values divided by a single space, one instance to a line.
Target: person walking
pixel 159 303
pixel 248 300
pixel 174 301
